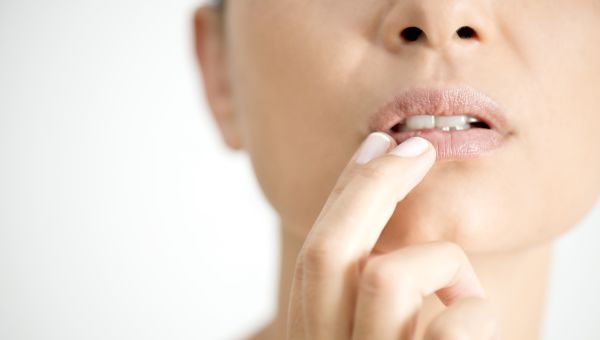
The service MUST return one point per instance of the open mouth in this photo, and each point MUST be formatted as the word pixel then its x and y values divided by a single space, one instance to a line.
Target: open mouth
pixel 460 122
pixel 444 123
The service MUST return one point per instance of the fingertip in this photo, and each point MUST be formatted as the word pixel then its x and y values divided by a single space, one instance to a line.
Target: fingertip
pixel 386 136
pixel 375 145
pixel 412 147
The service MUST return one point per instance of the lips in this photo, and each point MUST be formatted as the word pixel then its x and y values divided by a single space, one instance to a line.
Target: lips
pixel 450 145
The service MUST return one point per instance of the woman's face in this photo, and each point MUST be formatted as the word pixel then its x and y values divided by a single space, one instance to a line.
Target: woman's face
pixel 306 76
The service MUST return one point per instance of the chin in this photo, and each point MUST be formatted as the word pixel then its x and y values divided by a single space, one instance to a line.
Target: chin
pixel 466 221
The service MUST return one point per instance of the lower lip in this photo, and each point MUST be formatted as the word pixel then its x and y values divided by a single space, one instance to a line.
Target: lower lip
pixel 459 144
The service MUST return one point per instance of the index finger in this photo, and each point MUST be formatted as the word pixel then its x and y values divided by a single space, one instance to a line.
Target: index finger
pixel 366 193
pixel 349 225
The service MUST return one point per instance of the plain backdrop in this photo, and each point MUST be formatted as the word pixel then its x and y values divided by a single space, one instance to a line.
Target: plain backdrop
pixel 123 216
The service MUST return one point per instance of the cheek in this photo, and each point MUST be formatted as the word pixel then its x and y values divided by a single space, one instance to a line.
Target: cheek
pixel 293 112
pixel 297 142
pixel 564 134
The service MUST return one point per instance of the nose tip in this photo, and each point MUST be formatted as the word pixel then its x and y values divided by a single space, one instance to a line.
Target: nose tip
pixel 433 23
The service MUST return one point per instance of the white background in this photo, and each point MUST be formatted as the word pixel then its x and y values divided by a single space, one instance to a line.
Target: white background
pixel 122 215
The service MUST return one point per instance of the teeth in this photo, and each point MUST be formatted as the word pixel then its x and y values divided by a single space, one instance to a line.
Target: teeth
pixel 420 122
pixel 444 123
pixel 447 121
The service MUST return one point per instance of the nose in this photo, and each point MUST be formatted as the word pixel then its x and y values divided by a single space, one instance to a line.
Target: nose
pixel 437 24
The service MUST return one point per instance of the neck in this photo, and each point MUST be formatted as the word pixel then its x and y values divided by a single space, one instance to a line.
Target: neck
pixel 515 285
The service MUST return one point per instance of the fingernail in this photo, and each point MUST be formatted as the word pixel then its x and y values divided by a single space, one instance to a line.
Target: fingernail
pixel 412 147
pixel 375 144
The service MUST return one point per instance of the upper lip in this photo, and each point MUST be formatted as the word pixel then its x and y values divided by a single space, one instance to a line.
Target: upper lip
pixel 440 101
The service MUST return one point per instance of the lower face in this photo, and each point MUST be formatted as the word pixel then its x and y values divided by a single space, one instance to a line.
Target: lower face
pixel 308 75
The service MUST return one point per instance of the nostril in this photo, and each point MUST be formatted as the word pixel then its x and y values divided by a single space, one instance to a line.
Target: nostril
pixel 466 32
pixel 411 33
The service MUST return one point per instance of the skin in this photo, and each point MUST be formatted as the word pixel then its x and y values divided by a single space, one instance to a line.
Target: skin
pixel 294 83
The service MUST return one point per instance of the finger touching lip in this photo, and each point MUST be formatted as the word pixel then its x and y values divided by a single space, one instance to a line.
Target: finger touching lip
pixel 488 132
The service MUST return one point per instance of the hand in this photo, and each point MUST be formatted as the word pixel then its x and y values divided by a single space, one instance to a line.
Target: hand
pixel 342 291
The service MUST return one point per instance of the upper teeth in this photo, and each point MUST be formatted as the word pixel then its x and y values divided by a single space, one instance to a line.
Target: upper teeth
pixel 445 123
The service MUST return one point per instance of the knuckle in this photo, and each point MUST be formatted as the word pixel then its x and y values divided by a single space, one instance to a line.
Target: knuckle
pixel 299 267
pixel 372 171
pixel 443 331
pixel 319 256
pixel 380 277
pixel 470 318
pixel 338 189
pixel 376 171
pixel 369 172
pixel 447 326
pixel 452 249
